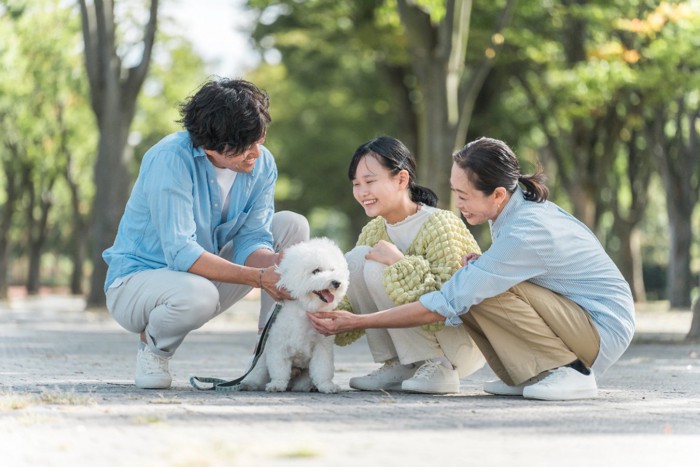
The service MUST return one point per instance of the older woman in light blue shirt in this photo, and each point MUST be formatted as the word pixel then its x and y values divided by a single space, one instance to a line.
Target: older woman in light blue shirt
pixel 545 304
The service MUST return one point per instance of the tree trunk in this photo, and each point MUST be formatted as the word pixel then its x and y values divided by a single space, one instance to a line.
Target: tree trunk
pixel 436 137
pixel 79 225
pixel 113 92
pixel 438 54
pixel 629 258
pixel 78 238
pixel 8 212
pixel 405 115
pixel 37 237
pixel 14 177
pixel 112 182
pixel 639 168
pixel 678 161
pixel 679 276
pixel 694 333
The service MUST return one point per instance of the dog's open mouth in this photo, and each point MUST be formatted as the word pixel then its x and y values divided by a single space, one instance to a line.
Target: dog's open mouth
pixel 325 295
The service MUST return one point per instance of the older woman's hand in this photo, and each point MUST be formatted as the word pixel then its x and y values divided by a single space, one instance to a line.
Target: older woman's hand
pixel 470 257
pixel 329 323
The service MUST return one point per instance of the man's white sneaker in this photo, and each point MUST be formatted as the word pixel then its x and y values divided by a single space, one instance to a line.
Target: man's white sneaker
pixel 151 370
pixel 563 384
pixel 387 377
pixel 433 378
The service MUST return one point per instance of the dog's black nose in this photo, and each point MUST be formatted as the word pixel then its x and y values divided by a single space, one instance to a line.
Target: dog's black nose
pixel 335 284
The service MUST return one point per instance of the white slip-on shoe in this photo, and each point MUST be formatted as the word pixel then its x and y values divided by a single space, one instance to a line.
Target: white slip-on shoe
pixel 151 370
pixel 387 377
pixel 433 378
pixel 499 388
pixel 563 384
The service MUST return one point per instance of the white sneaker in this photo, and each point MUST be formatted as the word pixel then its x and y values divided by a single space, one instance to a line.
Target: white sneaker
pixel 433 378
pixel 563 384
pixel 499 388
pixel 151 370
pixel 387 377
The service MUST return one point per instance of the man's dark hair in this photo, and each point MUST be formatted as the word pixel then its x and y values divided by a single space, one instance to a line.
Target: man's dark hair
pixel 226 115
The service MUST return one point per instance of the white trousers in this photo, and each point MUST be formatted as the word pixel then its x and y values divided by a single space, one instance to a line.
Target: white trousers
pixel 168 304
pixel 410 345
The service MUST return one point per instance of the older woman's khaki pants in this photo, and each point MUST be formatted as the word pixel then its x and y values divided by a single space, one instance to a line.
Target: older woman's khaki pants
pixel 529 329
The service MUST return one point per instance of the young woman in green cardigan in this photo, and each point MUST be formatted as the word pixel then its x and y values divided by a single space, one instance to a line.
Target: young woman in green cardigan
pixel 408 249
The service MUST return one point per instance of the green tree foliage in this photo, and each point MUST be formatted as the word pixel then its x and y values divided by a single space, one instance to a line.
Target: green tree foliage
pixel 574 88
pixel 326 100
pixel 49 136
pixel 43 110
pixel 666 38
pixel 176 72
pixel 585 81
pixel 401 74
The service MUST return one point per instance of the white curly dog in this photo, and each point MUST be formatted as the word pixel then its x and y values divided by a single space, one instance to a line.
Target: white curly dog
pixel 296 357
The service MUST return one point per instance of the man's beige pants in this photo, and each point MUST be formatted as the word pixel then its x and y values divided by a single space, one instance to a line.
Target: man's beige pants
pixel 529 329
pixel 168 304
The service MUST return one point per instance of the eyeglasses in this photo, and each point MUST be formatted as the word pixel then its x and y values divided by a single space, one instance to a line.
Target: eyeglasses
pixel 220 148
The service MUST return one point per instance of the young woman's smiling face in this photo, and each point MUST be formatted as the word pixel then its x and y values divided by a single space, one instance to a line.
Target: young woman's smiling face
pixel 475 206
pixel 377 189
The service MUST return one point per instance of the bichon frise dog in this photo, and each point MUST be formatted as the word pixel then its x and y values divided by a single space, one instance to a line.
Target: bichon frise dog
pixel 296 356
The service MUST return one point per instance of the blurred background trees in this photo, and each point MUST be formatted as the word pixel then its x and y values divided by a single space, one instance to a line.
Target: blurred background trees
pixel 605 94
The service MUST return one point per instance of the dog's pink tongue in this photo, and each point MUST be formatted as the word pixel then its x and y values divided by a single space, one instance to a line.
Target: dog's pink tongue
pixel 326 296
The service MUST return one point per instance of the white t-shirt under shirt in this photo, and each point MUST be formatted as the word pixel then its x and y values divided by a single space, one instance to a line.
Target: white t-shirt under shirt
pixel 225 179
pixel 404 232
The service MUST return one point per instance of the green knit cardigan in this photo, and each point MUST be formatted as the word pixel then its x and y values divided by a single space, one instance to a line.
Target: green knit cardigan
pixel 432 258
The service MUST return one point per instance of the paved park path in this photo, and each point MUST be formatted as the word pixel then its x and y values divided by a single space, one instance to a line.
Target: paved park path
pixel 67 399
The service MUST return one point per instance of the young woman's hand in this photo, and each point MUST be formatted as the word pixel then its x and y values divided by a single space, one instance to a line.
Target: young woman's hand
pixel 385 253
pixel 469 257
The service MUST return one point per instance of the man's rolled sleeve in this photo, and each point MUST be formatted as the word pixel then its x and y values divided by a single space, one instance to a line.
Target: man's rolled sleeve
pixel 184 258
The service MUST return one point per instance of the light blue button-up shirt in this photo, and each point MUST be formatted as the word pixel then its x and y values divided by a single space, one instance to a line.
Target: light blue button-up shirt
pixel 543 244
pixel 174 213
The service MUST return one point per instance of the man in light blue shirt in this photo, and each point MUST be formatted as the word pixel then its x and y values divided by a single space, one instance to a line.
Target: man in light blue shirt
pixel 199 230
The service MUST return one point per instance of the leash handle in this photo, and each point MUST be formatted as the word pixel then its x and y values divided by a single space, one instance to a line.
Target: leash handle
pixel 218 384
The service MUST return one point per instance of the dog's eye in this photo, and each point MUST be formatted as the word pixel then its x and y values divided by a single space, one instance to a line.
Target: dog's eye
pixel 316 271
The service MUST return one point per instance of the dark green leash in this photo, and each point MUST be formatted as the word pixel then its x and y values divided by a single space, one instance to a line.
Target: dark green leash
pixel 235 384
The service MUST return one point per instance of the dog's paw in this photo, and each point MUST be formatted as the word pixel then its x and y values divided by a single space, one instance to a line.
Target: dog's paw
pixel 328 387
pixel 276 386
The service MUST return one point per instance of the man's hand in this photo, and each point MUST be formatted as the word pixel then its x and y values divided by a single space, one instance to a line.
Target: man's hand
pixel 329 323
pixel 268 283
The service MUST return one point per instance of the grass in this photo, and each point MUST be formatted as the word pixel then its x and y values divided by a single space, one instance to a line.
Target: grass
pixel 147 420
pixel 301 453
pixel 10 401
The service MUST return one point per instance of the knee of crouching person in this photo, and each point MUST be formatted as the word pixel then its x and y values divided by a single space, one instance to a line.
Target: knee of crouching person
pixel 199 301
pixel 295 225
pixel 356 262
